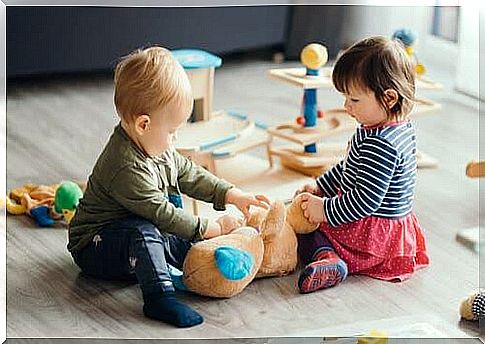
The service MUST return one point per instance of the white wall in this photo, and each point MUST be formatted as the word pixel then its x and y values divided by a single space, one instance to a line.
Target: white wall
pixel 472 35
pixel 362 21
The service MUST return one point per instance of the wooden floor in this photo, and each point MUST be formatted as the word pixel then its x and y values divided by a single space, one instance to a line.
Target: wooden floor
pixel 57 127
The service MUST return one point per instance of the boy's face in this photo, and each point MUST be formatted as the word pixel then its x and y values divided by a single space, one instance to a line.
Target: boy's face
pixel 163 126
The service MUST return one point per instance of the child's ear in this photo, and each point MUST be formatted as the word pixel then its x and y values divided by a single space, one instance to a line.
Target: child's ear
pixel 142 124
pixel 391 97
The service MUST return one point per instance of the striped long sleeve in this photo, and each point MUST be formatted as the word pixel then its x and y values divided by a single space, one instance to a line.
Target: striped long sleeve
pixel 377 162
pixel 376 178
pixel 329 182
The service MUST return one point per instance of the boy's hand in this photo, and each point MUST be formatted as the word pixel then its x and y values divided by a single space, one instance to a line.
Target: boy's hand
pixel 243 200
pixel 312 207
pixel 311 188
pixel 229 223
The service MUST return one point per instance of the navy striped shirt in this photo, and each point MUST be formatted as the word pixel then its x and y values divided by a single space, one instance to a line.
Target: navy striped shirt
pixel 377 176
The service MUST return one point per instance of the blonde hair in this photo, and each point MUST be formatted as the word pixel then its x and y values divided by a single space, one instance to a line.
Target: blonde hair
pixel 148 79
pixel 377 64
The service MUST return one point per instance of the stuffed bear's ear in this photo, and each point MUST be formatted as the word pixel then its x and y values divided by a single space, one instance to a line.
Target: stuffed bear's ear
pixel 274 220
pixel 296 219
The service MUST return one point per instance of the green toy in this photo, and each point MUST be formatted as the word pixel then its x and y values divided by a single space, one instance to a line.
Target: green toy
pixel 67 199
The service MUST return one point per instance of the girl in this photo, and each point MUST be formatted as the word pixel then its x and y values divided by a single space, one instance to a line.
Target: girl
pixel 364 204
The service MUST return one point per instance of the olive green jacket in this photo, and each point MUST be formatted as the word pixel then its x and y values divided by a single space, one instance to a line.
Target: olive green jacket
pixel 125 181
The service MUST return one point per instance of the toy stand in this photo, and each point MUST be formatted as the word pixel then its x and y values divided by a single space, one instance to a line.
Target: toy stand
pixel 327 155
pixel 336 121
pixel 296 76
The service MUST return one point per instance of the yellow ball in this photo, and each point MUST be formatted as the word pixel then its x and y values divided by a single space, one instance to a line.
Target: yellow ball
pixel 314 56
pixel 420 69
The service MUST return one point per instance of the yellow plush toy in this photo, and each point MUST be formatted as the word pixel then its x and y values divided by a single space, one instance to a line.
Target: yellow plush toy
pixel 267 246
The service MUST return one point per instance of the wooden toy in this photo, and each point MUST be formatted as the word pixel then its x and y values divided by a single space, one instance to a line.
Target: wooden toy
pixel 309 130
pixel 312 127
pixel 200 68
pixel 223 136
pixel 213 135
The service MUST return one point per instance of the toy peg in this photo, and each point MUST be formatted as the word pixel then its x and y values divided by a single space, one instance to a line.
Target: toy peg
pixel 475 169
pixel 313 56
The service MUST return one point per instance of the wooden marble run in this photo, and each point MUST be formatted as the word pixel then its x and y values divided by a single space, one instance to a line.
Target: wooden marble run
pixel 310 129
pixel 211 136
pixel 223 136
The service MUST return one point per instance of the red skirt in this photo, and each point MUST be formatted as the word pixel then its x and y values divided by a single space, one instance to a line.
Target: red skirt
pixel 387 249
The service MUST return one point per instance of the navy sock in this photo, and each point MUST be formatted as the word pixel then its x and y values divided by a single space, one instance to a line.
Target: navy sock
pixel 166 307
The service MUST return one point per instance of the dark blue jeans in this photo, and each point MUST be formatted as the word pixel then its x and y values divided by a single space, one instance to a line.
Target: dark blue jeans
pixel 133 248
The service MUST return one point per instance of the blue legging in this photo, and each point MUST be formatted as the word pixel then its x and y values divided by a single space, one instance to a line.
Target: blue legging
pixel 133 248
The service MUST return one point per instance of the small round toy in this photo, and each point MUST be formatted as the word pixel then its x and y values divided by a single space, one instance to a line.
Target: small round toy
pixel 314 55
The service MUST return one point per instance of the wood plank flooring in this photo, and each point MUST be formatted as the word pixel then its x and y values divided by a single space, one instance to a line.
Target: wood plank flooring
pixel 55 130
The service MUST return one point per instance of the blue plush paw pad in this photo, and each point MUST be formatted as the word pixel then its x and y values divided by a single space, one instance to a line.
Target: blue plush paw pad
pixel 234 264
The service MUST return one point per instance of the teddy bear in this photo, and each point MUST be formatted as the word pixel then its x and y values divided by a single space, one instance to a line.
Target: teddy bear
pixel 266 246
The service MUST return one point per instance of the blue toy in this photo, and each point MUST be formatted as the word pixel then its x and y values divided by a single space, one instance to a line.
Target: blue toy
pixel 313 56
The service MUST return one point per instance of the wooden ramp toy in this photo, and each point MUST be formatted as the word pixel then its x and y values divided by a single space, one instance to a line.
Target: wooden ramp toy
pixel 315 125
pixel 223 136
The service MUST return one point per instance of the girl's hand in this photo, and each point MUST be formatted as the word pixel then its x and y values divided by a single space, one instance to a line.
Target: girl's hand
pixel 311 188
pixel 312 207
pixel 229 223
pixel 243 200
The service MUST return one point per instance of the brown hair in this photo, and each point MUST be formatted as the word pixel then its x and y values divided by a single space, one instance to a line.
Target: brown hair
pixel 148 79
pixel 377 64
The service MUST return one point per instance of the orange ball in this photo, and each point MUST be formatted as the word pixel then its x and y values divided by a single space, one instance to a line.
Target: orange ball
pixel 300 120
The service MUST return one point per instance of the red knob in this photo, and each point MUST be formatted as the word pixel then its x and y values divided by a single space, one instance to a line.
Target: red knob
pixel 320 113
pixel 300 120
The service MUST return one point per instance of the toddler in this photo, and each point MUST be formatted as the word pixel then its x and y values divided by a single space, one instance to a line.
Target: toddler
pixel 130 222
pixel 364 204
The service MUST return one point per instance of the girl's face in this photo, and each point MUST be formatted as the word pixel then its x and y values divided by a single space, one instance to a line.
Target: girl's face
pixel 363 105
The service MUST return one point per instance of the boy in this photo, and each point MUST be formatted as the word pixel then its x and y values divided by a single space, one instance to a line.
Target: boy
pixel 130 222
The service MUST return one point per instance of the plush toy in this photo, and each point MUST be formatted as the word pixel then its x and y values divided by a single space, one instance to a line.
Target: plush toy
pixel 473 307
pixel 43 203
pixel 267 246
pixel 279 237
pixel 67 199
